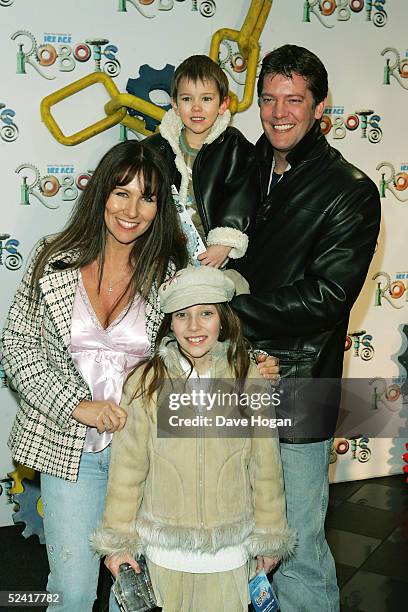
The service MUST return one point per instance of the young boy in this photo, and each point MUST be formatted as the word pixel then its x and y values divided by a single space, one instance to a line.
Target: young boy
pixel 211 164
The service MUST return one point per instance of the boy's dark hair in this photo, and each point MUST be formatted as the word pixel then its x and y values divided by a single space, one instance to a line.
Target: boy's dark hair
pixel 200 68
pixel 291 59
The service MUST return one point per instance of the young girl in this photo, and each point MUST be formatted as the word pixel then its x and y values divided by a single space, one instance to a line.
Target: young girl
pixel 199 508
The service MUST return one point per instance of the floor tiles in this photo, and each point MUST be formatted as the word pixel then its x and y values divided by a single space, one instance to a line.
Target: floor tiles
pixel 371 592
pixel 382 497
pixel 389 560
pixel 350 548
pixel 364 520
pixel 367 530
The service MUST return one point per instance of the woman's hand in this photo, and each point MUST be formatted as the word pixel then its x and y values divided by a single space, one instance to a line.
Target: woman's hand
pixel 266 563
pixel 113 562
pixel 102 414
pixel 268 366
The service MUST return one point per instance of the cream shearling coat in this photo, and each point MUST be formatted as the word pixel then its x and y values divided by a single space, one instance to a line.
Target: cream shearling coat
pixel 154 492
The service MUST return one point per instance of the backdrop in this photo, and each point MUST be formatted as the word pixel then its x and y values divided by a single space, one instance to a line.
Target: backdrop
pixel 48 44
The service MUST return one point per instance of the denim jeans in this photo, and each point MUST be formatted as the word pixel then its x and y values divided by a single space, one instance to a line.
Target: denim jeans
pixel 72 511
pixel 307 582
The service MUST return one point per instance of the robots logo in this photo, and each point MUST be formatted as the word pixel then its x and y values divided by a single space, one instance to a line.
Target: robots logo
pixel 361 343
pixel 206 8
pixel 66 55
pixel 9 131
pixel 10 258
pixel 58 178
pixel 343 10
pixel 334 118
pixel 388 393
pixel 397 69
pixel 396 182
pixel 391 291
pixel 358 448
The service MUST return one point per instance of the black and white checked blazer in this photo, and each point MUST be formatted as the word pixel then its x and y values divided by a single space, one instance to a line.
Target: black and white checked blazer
pixel 35 357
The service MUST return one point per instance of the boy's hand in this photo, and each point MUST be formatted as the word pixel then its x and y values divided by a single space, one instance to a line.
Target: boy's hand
pixel 266 563
pixel 214 256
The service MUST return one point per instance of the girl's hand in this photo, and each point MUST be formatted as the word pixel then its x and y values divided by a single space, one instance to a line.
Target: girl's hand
pixel 268 366
pixel 113 562
pixel 102 414
pixel 214 256
pixel 266 563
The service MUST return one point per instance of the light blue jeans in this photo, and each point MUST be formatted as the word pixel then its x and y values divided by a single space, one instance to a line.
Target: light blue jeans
pixel 307 582
pixel 72 511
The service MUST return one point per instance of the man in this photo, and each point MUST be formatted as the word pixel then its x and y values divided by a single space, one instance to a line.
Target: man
pixel 307 261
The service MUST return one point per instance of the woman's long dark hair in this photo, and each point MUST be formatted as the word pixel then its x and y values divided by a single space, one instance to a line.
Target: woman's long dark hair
pixel 85 231
pixel 237 353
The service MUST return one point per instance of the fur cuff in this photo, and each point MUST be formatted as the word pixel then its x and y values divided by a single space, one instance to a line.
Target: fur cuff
pixel 229 236
pixel 106 541
pixel 271 544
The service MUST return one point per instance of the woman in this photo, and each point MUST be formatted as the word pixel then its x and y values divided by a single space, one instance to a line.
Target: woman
pixel 86 312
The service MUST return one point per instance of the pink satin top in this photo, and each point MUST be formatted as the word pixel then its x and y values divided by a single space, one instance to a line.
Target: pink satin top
pixel 104 357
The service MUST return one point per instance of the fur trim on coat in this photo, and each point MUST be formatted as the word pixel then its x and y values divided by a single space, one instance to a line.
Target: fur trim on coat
pixel 229 236
pixel 192 539
pixel 107 541
pixel 272 544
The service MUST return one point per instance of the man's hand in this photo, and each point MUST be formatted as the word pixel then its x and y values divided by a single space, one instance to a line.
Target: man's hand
pixel 214 256
pixel 102 414
pixel 113 562
pixel 268 366
pixel 266 563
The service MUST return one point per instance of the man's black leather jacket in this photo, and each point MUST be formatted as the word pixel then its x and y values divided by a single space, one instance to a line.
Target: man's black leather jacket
pixel 306 263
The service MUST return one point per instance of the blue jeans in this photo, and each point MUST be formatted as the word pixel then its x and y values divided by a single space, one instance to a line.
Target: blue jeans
pixel 307 582
pixel 72 511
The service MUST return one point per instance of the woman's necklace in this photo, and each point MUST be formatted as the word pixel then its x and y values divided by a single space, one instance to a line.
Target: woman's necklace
pixel 111 285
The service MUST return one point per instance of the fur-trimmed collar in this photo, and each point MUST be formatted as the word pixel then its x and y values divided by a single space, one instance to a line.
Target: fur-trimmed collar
pixel 170 355
pixel 170 129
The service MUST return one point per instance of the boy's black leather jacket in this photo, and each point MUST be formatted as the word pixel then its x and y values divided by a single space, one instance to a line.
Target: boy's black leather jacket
pixel 225 182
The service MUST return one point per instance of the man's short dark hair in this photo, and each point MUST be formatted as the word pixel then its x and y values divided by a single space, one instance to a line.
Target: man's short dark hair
pixel 200 68
pixel 291 59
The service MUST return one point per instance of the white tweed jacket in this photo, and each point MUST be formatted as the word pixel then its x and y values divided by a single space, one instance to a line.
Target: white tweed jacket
pixel 35 356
